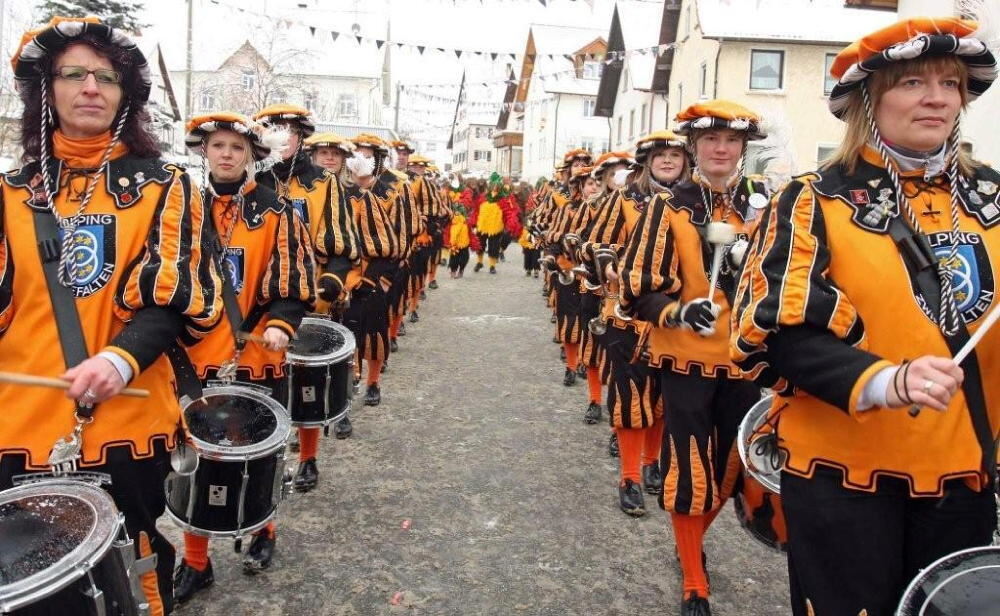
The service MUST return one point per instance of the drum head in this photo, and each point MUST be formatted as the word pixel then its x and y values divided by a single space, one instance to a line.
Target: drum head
pixel 320 342
pixel 758 447
pixel 237 423
pixel 49 531
pixel 965 582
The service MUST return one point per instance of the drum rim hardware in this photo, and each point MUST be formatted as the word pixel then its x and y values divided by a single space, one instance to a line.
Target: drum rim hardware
pixel 905 607
pixel 107 528
pixel 274 442
pixel 744 439
pixel 328 358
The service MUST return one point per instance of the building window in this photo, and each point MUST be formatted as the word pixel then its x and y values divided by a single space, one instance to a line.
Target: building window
pixel 587 144
pixel 430 146
pixel 625 81
pixel 619 130
pixel 766 67
pixel 823 152
pixel 642 119
pixel 478 133
pixel 687 22
pixel 703 81
pixel 248 80
pixel 680 98
pixel 310 101
pixel 631 124
pixel 207 100
pixel 347 105
pixel 828 80
pixel 593 69
pixel 589 105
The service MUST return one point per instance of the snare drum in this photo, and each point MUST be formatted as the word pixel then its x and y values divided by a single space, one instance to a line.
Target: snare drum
pixel 64 550
pixel 758 504
pixel 320 373
pixel 240 436
pixel 966 582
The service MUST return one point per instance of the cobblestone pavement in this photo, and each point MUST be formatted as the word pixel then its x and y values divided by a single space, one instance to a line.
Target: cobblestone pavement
pixel 475 488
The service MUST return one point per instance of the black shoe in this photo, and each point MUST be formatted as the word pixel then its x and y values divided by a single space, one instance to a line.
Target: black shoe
pixel 695 606
pixel 493 270
pixel 630 499
pixel 527 273
pixel 553 319
pixel 503 259
pixel 307 477
pixel 188 580
pixel 593 414
pixel 414 317
pixel 536 273
pixel 581 371
pixel 442 262
pixel 478 267
pixel 385 366
pixel 652 480
pixel 569 378
pixel 562 352
pixel 423 294
pixel 613 446
pixel 343 429
pixel 402 328
pixel 293 443
pixel 357 386
pixel 373 396
pixel 260 553
pixel 433 284
pixel 393 346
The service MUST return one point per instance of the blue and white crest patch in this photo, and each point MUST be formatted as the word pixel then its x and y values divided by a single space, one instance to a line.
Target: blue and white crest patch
pixel 92 259
pixel 234 264
pixel 299 205
pixel 973 278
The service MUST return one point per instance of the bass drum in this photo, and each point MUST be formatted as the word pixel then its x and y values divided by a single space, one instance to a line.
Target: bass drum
pixel 757 503
pixel 965 583
pixel 64 551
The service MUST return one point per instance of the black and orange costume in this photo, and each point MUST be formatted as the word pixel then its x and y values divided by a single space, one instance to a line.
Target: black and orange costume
pixel 665 282
pixel 830 298
pixel 141 280
pixel 262 246
pixel 395 193
pixel 425 202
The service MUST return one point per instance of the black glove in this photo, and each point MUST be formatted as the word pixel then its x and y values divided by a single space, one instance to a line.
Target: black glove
pixel 329 287
pixel 698 315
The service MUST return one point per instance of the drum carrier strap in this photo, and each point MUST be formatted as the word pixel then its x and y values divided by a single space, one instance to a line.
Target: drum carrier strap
pixel 922 263
pixel 74 346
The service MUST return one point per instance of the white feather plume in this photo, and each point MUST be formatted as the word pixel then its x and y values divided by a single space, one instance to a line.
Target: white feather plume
pixel 276 138
pixel 987 13
pixel 777 150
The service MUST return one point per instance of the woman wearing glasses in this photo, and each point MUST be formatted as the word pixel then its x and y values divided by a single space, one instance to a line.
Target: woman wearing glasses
pixel 132 262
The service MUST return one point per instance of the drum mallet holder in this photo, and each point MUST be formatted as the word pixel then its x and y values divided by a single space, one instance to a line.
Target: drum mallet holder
pixel 719 235
pixel 974 339
pixel 15 378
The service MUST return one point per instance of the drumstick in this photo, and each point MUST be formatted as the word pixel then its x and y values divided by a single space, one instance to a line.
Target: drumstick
pixel 967 348
pixel 15 378
pixel 719 234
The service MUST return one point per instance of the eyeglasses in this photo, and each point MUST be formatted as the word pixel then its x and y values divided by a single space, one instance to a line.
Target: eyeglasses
pixel 103 76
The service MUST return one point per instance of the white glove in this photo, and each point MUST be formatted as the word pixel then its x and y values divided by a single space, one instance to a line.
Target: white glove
pixel 620 176
pixel 737 252
pixel 361 166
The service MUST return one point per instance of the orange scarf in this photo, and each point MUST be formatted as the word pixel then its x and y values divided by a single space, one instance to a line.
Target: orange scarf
pixel 84 153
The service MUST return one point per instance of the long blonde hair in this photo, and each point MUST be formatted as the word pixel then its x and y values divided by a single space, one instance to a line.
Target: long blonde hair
pixel 643 177
pixel 858 132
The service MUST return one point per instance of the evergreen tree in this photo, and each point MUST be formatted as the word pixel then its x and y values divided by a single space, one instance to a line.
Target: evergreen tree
pixel 124 14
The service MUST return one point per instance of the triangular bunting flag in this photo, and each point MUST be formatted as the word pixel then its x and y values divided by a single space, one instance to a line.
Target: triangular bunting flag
pixel 334 35
pixel 493 56
pixel 312 30
pixel 379 43
pixel 359 38
pixel 421 48
pixel 458 53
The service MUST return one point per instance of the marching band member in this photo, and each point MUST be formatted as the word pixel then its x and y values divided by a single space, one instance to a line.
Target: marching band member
pixel 634 401
pixel 91 163
pixel 368 315
pixel 266 254
pixel 393 188
pixel 316 196
pixel 864 279
pixel 665 277
pixel 422 189
pixel 329 151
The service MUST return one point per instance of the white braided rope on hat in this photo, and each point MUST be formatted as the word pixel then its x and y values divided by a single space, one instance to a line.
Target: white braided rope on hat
pixel 68 224
pixel 948 319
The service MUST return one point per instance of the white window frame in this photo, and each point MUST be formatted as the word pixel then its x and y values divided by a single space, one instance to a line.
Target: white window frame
pixel 643 117
pixel 589 106
pixel 703 81
pixel 832 147
pixel 347 105
pixel 781 71
pixel 248 80
pixel 827 58
pixel 206 100
pixel 631 124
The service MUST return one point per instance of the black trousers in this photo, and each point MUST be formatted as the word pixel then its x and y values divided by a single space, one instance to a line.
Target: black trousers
pixel 850 551
pixel 137 489
pixel 458 260
pixel 490 244
pixel 531 256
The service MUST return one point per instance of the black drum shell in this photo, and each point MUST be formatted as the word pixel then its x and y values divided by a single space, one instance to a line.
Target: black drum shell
pixel 319 395
pixel 260 501
pixel 111 578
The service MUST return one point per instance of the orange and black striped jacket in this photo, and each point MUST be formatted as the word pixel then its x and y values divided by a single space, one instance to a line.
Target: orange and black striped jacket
pixel 826 301
pixel 268 257
pixel 378 242
pixel 395 193
pixel 668 261
pixel 142 277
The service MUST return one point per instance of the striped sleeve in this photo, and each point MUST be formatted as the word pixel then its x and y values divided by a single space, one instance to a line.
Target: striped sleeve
pixel 415 222
pixel 376 233
pixel 291 268
pixel 336 241
pixel 649 268
pixel 608 227
pixel 784 285
pixel 6 277
pixel 175 268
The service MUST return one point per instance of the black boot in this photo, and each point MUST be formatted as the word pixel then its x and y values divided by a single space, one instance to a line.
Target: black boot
pixel 581 371
pixel 593 413
pixel 423 294
pixel 695 606
pixel 613 445
pixel 569 378
pixel 402 328
pixel 385 366
pixel 478 267
pixel 553 319
pixel 652 480
pixel 393 345
pixel 527 273
pixel 536 273
pixel 562 352
pixel 260 553
pixel 307 477
pixel 493 269
pixel 630 499
pixel 433 284
pixel 414 317
pixel 373 396
pixel 343 429
pixel 188 580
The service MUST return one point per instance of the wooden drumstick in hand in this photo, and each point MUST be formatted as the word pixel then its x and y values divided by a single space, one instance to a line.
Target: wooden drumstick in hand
pixel 720 235
pixel 31 380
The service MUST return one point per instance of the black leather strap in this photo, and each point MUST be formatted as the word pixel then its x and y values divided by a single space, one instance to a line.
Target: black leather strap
pixel 923 267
